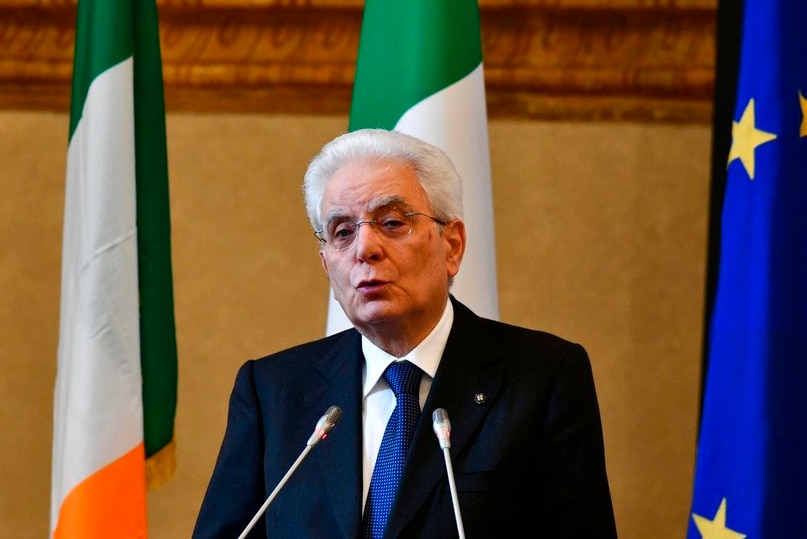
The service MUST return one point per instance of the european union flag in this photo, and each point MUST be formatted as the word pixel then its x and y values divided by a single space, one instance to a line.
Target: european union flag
pixel 751 469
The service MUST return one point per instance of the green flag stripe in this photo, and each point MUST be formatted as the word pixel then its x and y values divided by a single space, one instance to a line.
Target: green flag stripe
pixel 105 40
pixel 431 45
pixel 158 347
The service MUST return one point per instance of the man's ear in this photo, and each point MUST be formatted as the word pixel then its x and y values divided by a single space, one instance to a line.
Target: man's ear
pixel 454 234
pixel 323 262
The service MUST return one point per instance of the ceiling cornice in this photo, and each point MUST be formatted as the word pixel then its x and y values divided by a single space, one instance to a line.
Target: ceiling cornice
pixel 606 60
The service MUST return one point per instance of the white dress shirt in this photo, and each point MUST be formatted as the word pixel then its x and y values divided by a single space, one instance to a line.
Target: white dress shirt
pixel 379 400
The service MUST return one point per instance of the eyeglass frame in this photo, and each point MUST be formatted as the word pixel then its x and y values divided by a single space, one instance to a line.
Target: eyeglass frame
pixel 320 234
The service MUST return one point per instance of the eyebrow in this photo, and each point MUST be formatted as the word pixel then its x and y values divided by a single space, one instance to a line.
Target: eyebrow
pixel 374 206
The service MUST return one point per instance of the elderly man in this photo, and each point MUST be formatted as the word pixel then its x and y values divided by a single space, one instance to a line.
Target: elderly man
pixel 526 445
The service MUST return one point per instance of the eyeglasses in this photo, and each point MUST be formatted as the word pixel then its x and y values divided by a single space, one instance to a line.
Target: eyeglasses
pixel 393 224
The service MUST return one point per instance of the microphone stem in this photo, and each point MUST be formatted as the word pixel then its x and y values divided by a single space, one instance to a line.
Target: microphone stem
pixel 454 498
pixel 275 492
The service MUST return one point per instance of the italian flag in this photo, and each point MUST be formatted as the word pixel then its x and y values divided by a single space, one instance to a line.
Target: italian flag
pixel 115 394
pixel 420 71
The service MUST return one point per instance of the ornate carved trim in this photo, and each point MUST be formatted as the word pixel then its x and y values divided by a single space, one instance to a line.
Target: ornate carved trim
pixel 642 60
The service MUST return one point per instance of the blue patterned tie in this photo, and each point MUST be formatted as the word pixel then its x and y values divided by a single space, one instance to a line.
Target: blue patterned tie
pixel 404 378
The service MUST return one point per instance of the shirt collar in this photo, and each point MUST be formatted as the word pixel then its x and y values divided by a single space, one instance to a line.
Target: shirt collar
pixel 426 355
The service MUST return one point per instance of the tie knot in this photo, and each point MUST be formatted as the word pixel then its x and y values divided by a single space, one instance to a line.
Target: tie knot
pixel 403 377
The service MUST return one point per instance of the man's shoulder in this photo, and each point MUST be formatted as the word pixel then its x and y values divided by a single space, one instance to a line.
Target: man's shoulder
pixel 312 352
pixel 496 336
pixel 465 317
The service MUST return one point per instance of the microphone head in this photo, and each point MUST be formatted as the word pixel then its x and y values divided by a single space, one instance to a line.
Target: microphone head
pixel 331 418
pixel 442 427
pixel 325 425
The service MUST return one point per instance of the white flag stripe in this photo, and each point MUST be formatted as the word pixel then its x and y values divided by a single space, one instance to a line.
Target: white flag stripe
pixel 455 120
pixel 98 400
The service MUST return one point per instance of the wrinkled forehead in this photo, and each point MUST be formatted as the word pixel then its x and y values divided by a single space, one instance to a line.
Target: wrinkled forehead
pixel 362 187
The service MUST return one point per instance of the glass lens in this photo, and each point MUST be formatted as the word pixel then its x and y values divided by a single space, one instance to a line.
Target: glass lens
pixel 391 223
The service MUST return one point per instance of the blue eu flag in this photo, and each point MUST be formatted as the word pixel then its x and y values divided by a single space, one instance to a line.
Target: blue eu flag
pixel 751 469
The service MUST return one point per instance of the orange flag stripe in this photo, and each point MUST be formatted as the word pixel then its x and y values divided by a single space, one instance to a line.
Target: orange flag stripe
pixel 109 504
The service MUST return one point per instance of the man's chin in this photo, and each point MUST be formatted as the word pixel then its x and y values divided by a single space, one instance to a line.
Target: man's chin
pixel 374 313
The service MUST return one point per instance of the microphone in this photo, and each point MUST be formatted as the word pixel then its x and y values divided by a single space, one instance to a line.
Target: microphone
pixel 442 428
pixel 324 427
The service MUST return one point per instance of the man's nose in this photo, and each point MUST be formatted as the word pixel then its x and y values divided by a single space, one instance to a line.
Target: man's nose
pixel 368 240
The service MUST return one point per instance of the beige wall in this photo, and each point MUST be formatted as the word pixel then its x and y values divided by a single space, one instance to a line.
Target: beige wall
pixel 600 232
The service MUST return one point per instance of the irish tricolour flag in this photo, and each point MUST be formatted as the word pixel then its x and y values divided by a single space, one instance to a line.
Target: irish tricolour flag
pixel 115 392
pixel 420 71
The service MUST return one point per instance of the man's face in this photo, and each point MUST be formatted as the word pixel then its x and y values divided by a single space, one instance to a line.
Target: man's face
pixel 388 284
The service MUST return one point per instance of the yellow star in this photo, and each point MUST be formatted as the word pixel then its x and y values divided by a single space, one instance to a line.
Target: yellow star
pixel 803 103
pixel 745 138
pixel 716 528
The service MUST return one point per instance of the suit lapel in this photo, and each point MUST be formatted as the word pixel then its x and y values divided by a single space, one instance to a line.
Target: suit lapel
pixel 469 367
pixel 340 454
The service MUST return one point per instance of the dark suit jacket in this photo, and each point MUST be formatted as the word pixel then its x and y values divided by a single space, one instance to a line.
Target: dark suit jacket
pixel 526 443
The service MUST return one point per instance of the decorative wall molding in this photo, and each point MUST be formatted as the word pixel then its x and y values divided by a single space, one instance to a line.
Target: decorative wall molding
pixel 604 60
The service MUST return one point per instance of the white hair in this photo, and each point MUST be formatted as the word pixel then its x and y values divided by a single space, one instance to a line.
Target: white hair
pixel 431 166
